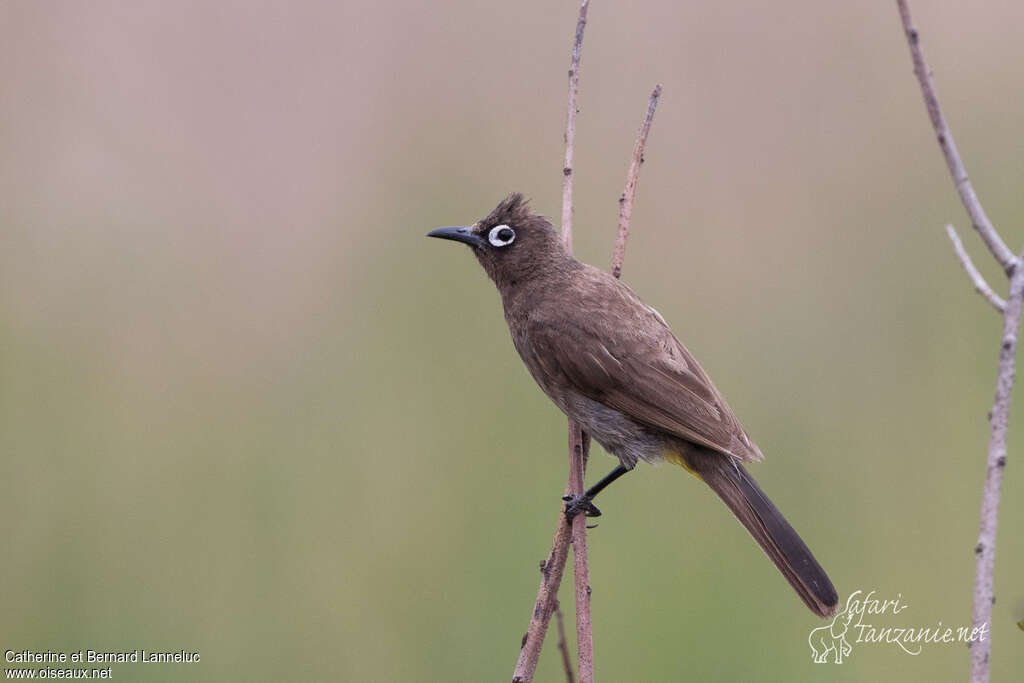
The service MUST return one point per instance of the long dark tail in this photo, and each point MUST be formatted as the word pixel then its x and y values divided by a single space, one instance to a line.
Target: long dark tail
pixel 769 528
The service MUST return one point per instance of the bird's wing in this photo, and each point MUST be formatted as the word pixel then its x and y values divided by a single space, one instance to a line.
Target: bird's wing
pixel 643 371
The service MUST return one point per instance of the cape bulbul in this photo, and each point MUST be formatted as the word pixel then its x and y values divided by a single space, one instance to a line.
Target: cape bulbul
pixel 611 363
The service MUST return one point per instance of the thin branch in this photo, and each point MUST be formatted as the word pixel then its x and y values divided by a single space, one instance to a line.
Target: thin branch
pixel 979 282
pixel 1011 308
pixel 626 199
pixel 579 449
pixel 985 551
pixel 570 125
pixel 563 647
pixel 555 565
pixel 579 442
pixel 551 571
pixel 979 219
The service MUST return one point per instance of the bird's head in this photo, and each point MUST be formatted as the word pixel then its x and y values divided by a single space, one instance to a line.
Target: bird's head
pixel 513 244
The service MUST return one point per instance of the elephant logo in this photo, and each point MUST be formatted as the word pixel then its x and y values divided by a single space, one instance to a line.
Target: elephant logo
pixel 832 638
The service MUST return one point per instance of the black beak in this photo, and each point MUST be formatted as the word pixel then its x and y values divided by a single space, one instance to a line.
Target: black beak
pixel 461 234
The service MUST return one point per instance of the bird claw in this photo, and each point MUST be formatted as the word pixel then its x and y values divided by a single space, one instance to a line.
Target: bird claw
pixel 577 503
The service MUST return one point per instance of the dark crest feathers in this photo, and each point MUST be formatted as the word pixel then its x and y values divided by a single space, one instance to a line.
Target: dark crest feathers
pixel 514 209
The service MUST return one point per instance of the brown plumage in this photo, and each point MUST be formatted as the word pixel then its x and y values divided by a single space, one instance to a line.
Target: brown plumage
pixel 611 363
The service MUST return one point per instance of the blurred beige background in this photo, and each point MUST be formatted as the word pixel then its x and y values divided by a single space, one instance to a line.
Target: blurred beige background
pixel 246 408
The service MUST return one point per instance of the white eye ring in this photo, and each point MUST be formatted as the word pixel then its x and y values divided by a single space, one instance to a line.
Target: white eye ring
pixel 501 235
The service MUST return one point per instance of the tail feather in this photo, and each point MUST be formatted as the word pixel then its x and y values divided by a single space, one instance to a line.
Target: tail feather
pixel 777 538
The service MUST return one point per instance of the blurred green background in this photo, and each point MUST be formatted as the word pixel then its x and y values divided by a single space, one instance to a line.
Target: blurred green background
pixel 247 409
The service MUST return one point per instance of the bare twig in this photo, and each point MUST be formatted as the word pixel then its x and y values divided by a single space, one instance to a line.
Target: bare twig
pixel 629 192
pixel 996 461
pixel 551 571
pixel 563 647
pixel 570 125
pixel 578 447
pixel 979 282
pixel 979 219
pixel 579 442
pixel 985 551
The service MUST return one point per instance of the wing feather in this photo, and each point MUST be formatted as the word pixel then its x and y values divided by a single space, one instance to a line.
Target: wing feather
pixel 648 375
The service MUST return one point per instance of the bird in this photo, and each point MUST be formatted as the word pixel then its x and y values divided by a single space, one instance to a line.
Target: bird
pixel 610 362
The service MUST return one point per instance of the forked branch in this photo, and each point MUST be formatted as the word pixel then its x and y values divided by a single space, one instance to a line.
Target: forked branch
pixel 553 568
pixel 995 463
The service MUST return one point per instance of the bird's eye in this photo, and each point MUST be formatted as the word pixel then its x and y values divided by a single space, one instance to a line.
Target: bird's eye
pixel 501 235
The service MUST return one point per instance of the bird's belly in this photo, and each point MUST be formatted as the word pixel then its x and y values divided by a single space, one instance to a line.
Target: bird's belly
pixel 618 434
pixel 624 438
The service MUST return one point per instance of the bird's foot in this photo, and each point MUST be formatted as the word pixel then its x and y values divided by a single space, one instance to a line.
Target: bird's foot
pixel 577 503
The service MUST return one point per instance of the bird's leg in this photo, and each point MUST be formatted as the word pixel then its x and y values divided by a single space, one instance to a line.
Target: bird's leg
pixel 583 502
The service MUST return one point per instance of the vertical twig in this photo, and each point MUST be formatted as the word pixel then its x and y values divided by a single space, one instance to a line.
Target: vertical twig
pixel 563 647
pixel 555 565
pixel 629 192
pixel 579 441
pixel 979 218
pixel 570 125
pixel 985 551
pixel 579 449
pixel 995 463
